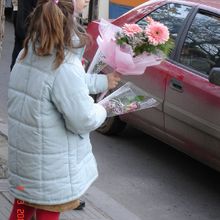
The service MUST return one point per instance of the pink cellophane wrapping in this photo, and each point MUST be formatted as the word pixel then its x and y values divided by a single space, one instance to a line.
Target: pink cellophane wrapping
pixel 121 58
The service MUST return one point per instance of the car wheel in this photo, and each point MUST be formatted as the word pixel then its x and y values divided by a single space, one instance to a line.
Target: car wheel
pixel 111 126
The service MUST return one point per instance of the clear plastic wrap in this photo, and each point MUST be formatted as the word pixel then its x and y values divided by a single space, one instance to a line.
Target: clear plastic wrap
pixel 128 98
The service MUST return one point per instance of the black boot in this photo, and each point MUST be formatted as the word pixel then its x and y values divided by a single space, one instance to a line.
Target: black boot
pixel 82 205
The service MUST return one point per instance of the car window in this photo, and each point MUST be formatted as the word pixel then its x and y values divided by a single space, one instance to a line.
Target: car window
pixel 172 15
pixel 201 49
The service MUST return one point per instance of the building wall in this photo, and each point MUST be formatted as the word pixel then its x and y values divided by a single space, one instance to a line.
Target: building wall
pixel 101 12
pixel 8 3
pixel 131 3
pixel 112 8
pixel 119 7
pixel 103 9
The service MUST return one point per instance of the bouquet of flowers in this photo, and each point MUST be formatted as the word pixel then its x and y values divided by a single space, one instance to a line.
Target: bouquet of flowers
pixel 128 98
pixel 130 49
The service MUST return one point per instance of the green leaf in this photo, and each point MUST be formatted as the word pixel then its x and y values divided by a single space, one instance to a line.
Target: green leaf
pixel 139 98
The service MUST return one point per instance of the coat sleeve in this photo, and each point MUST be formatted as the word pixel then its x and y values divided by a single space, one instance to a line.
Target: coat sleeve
pixel 70 95
pixel 96 83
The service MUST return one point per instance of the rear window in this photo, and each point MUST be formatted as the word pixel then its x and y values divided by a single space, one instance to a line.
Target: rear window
pixel 201 49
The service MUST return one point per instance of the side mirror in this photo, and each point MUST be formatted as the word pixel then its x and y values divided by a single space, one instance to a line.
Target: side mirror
pixel 214 76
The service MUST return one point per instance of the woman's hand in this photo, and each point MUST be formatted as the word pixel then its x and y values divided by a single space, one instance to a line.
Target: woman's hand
pixel 113 79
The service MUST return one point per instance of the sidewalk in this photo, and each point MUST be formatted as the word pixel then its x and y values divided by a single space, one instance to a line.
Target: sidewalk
pixel 99 205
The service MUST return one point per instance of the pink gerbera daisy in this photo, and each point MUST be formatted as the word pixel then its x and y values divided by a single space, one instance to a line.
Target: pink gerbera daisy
pixel 157 33
pixel 131 29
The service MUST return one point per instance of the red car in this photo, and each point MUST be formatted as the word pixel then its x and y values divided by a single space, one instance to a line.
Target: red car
pixel 187 83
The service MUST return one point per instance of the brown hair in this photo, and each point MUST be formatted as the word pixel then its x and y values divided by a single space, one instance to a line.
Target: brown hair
pixel 51 26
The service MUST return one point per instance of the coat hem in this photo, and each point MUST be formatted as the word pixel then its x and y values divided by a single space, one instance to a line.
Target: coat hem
pixel 55 202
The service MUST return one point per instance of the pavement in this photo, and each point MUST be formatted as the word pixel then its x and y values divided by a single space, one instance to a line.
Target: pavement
pixel 3 156
pixel 99 205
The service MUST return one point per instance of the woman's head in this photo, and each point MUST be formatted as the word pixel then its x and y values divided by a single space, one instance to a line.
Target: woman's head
pixel 51 28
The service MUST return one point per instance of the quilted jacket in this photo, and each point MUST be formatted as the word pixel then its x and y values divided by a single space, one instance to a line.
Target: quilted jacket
pixel 50 116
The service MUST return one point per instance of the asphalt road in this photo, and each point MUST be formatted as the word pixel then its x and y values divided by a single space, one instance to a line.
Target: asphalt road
pixel 155 181
pixel 151 179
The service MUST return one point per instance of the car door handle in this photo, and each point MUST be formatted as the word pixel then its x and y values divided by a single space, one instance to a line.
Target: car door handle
pixel 176 85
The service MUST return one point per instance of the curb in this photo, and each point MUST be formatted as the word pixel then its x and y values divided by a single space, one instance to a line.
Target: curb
pixel 4 129
pixel 108 205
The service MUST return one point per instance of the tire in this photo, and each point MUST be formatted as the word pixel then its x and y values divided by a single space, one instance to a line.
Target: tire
pixel 112 126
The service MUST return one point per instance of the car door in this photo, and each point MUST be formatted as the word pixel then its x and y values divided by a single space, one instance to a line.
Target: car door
pixel 192 103
pixel 174 15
